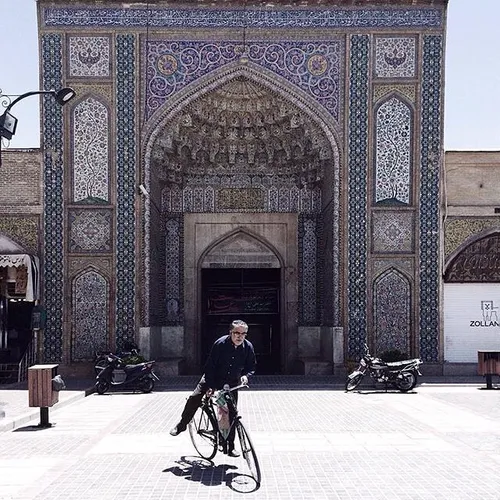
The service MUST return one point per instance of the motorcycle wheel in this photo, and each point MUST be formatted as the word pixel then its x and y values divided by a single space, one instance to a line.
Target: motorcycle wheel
pixel 352 383
pixel 146 384
pixel 101 386
pixel 407 381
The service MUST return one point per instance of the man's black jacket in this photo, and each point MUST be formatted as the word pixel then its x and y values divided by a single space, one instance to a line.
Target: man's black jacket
pixel 227 363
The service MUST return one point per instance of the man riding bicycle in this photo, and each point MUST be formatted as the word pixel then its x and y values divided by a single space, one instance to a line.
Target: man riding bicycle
pixel 231 361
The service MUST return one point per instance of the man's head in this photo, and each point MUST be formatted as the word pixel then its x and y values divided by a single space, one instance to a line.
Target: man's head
pixel 238 331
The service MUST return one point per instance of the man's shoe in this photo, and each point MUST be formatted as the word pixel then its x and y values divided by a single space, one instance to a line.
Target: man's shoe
pixel 233 453
pixel 175 431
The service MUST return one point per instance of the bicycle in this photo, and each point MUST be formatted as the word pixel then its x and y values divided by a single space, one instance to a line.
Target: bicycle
pixel 208 437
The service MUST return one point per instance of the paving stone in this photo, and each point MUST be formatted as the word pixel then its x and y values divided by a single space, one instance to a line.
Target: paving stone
pixel 441 442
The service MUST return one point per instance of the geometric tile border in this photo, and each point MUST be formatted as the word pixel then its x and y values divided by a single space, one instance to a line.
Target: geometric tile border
pixel 357 192
pixel 431 153
pixel 53 259
pixel 126 187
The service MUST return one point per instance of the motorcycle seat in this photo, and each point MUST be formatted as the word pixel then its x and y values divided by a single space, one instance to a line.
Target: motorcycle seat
pixel 400 364
pixel 130 367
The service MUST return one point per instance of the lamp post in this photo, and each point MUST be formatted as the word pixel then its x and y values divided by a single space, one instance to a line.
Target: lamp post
pixel 8 122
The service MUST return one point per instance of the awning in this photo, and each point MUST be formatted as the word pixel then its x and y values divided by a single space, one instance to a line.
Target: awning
pixel 32 264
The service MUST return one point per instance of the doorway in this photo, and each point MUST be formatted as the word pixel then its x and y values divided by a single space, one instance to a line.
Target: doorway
pixel 15 328
pixel 249 294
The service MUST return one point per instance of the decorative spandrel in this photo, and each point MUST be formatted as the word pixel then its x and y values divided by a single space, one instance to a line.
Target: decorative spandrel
pixel 479 262
pixel 315 67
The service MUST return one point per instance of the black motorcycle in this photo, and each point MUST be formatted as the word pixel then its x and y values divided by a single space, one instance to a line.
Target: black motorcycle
pixel 401 374
pixel 116 372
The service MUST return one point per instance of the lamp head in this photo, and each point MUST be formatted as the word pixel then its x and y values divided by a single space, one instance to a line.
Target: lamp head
pixel 64 95
pixel 8 124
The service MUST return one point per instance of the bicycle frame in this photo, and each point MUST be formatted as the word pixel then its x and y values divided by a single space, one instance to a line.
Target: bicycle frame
pixel 209 403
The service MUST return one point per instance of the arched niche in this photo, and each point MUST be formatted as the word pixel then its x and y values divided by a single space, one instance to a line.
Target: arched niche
pixel 392 312
pixel 89 315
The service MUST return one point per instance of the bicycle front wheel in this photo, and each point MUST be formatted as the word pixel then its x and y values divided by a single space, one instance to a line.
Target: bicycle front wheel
pixel 203 432
pixel 248 452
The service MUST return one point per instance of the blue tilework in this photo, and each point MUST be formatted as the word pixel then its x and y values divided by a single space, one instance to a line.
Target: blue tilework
pixel 126 187
pixel 52 129
pixel 309 302
pixel 357 195
pixel 250 18
pixel 429 197
pixel 313 66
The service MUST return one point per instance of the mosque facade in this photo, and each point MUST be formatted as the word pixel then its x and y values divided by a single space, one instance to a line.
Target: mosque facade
pixel 279 163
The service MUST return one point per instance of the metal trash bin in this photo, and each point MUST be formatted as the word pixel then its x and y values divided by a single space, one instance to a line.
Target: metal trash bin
pixel 41 392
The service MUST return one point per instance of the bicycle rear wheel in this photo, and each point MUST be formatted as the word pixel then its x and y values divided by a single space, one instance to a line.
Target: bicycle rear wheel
pixel 203 432
pixel 248 452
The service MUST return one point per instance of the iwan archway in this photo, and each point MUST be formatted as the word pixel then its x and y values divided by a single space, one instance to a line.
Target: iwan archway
pixel 243 173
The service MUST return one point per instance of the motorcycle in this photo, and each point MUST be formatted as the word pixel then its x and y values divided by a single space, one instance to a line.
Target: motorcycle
pixel 401 374
pixel 130 356
pixel 116 372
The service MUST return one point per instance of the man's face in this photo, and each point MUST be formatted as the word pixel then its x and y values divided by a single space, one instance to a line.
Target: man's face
pixel 238 335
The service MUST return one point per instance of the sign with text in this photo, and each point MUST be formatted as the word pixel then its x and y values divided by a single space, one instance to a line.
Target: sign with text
pixel 243 301
pixel 471 320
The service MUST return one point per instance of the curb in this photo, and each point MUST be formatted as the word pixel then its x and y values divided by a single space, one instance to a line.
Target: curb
pixel 13 423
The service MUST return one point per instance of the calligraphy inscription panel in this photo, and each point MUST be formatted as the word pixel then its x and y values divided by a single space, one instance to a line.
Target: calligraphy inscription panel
pixel 241 199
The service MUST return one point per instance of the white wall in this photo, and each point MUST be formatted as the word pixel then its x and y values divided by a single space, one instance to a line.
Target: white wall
pixel 471 320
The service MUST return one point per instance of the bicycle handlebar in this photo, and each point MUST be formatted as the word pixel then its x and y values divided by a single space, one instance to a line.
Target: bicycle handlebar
pixel 225 389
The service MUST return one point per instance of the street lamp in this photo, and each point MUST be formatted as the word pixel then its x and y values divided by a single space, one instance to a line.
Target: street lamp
pixel 8 122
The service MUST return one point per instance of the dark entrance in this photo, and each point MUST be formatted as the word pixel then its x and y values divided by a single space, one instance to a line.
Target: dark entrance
pixel 15 328
pixel 252 295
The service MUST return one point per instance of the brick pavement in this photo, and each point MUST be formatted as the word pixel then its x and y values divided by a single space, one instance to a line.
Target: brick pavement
pixel 14 409
pixel 313 441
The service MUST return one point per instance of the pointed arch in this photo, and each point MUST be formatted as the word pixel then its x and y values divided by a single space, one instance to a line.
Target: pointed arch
pixel 392 304
pixel 90 182
pixel 477 260
pixel 217 78
pixel 327 195
pixel 394 130
pixel 90 314
pixel 226 250
pixel 167 113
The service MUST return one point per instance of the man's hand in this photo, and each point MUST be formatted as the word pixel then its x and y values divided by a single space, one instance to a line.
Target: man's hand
pixel 244 380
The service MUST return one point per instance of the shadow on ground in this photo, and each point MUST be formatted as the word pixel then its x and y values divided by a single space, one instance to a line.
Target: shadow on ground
pixel 206 472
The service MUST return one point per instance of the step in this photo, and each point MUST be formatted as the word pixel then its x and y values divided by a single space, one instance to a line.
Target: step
pixel 168 367
pixel 314 366
pixel 8 373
